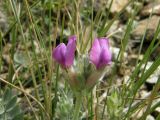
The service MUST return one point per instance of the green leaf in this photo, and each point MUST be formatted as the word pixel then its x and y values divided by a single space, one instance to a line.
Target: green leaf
pixel 7 95
pixel 21 58
pixel 15 111
pixel 11 103
pixel 1 108
pixel 18 117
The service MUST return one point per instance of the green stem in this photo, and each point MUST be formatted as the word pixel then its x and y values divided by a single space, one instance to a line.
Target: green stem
pixel 54 101
pixel 77 106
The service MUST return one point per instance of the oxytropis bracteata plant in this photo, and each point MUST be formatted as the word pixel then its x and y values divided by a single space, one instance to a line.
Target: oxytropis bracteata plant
pixel 86 70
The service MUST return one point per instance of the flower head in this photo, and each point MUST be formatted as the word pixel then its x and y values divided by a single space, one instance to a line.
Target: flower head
pixel 63 54
pixel 100 55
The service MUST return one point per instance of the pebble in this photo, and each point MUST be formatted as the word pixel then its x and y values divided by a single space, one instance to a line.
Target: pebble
pixel 115 52
pixel 117 5
pixel 150 117
pixel 154 77
pixel 149 25
pixel 152 8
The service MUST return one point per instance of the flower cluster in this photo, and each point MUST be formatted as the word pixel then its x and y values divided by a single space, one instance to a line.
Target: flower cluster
pixel 83 77
pixel 100 55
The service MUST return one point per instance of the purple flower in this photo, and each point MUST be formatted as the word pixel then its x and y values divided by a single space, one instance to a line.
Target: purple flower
pixel 63 54
pixel 100 55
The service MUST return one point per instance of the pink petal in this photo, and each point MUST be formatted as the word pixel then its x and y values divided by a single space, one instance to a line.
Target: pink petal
pixel 105 58
pixel 95 52
pixel 70 51
pixel 106 55
pixel 59 53
pixel 104 43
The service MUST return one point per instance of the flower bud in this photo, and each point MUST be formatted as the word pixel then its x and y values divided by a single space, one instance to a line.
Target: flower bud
pixel 63 54
pixel 100 55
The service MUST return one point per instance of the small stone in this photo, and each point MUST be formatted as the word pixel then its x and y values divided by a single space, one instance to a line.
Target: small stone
pixel 150 117
pixel 154 77
pixel 126 78
pixel 137 114
pixel 117 5
pixel 158 109
pixel 144 94
pixel 152 8
pixel 115 52
pixel 149 25
pixel 156 112
pixel 152 80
